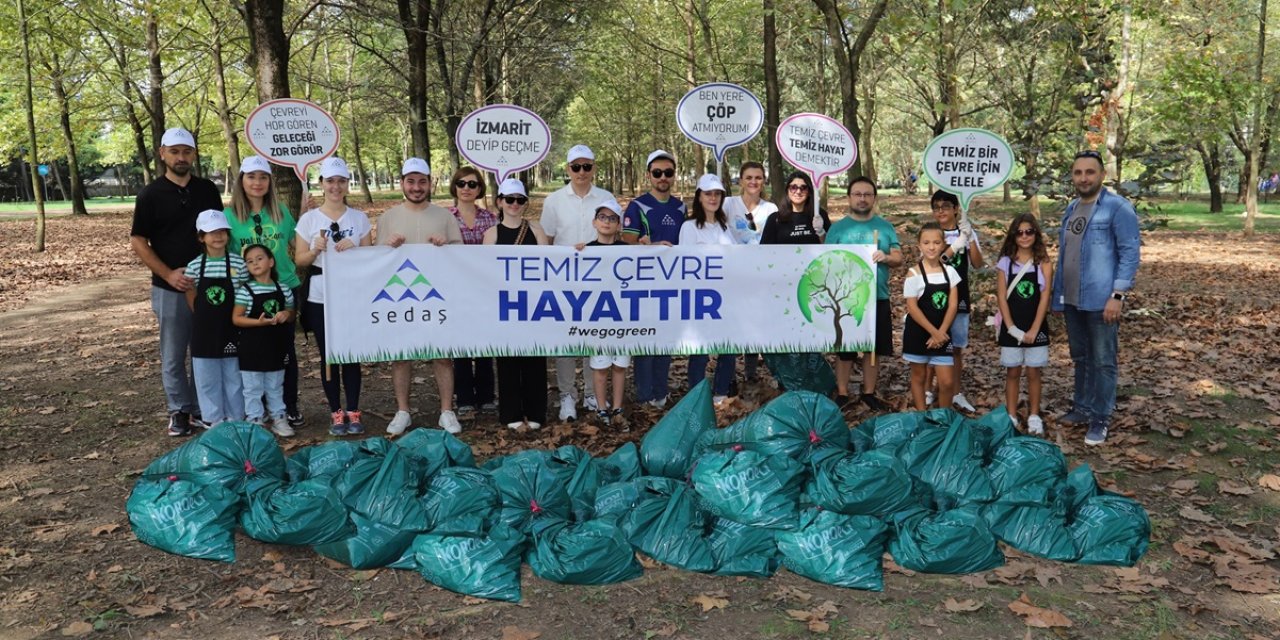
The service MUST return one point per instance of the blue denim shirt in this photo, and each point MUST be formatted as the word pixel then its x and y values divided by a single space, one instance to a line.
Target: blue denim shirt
pixel 1109 252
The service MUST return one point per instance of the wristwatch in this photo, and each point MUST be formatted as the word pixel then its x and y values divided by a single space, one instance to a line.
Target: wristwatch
pixel 1117 295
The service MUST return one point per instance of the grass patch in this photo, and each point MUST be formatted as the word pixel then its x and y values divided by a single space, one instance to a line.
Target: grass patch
pixel 1193 215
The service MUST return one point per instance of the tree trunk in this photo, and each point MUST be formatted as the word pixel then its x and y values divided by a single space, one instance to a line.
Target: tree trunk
pixel 771 100
pixel 1115 139
pixel 73 160
pixel 1029 162
pixel 355 128
pixel 32 154
pixel 155 104
pixel 864 148
pixel 1211 159
pixel 1253 168
pixel 229 132
pixel 269 55
pixel 948 62
pixel 415 35
pixel 848 59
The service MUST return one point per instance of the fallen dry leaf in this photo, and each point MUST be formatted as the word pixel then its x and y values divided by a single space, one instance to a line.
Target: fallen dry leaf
pixel 516 633
pixel 1225 486
pixel 961 606
pixel 78 628
pixel 816 618
pixel 144 611
pixel 105 529
pixel 1195 515
pixel 665 631
pixel 1270 481
pixel 1037 616
pixel 709 602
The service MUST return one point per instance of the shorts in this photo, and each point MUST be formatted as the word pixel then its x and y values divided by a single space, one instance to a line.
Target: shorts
pixel 960 331
pixel 604 362
pixel 884 333
pixel 1034 357
pixel 935 361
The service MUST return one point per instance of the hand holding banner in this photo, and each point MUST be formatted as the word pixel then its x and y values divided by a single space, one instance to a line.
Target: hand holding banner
pixel 293 133
pixel 720 115
pixel 819 146
pixel 968 162
pixel 503 138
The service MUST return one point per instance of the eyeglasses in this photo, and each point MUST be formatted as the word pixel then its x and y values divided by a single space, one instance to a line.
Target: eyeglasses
pixel 1089 153
pixel 586 166
pixel 944 206
pixel 607 217
pixel 1026 232
pixel 861 194
pixel 335 232
pixel 467 184
pixel 662 173
pixel 515 199
pixel 797 188
pixel 257 224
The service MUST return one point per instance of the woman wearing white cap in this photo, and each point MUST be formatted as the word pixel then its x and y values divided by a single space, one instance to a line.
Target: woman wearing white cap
pixel 332 227
pixel 256 217
pixel 522 381
pixel 708 224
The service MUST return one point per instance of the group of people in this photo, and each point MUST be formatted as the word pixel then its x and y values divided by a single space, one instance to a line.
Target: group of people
pixel 228 286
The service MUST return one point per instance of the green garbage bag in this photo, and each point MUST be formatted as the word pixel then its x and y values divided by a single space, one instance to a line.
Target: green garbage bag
pixel 991 430
pixel 323 460
pixel 616 498
pixel 436 449
pixel 183 517
pixel 888 431
pixel 668 448
pixel 802 372
pixel 666 524
pixel 302 513
pixel 872 483
pixel 483 564
pixel 795 424
pixel 1025 469
pixel 622 464
pixel 740 550
pixel 1032 523
pixel 836 549
pixel 591 552
pixel 948 458
pixel 460 499
pixel 375 544
pixel 227 455
pixel 948 541
pixel 584 479
pixel 532 487
pixel 1108 528
pixel 750 488
pixel 381 484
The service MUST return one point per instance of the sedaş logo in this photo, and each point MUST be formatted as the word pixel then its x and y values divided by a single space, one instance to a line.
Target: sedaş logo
pixel 395 301
pixel 408 283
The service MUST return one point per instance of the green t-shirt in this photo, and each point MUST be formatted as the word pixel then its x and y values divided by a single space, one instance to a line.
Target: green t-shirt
pixel 850 231
pixel 274 236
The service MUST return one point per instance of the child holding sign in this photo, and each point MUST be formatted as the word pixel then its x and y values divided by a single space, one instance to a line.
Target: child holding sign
pixel 930 292
pixel 1023 274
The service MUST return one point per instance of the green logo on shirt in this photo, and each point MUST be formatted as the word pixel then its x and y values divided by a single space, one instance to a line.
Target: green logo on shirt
pixel 1024 289
pixel 939 299
pixel 215 295
pixel 271 307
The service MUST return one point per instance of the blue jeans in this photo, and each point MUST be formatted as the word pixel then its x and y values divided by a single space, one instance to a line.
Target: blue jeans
pixel 218 388
pixel 652 374
pixel 174 317
pixel 725 367
pixel 263 383
pixel 1093 345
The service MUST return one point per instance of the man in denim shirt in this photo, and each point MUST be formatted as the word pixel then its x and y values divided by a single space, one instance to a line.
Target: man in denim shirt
pixel 1098 253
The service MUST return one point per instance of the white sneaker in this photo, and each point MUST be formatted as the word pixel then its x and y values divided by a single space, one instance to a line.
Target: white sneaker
pixel 719 400
pixel 1035 426
pixel 449 422
pixel 399 423
pixel 514 425
pixel 567 411
pixel 659 403
pixel 589 403
pixel 280 426
pixel 534 425
pixel 928 398
pixel 960 402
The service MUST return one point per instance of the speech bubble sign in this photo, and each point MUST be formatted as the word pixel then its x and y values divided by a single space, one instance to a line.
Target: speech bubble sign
pixel 293 133
pixel 503 138
pixel 720 115
pixel 817 145
pixel 968 162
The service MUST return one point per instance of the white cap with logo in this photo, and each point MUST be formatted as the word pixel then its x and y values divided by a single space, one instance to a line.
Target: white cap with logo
pixel 610 204
pixel 511 187
pixel 334 166
pixel 415 165
pixel 211 220
pixel 580 152
pixel 710 182
pixel 177 136
pixel 255 163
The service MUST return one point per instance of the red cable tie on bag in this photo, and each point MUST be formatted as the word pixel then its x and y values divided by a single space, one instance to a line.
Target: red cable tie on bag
pixel 737 448
pixel 533 506
pixel 249 468
pixel 813 437
pixel 173 478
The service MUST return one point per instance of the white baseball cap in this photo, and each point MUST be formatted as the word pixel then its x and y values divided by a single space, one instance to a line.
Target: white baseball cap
pixel 710 182
pixel 612 205
pixel 660 153
pixel 177 136
pixel 511 187
pixel 580 152
pixel 415 165
pixel 334 166
pixel 255 163
pixel 211 220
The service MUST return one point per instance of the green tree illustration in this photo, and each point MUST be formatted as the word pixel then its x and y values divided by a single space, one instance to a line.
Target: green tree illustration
pixel 839 283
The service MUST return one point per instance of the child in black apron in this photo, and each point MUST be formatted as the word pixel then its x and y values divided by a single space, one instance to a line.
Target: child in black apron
pixel 930 292
pixel 1023 274
pixel 263 312
pixel 216 274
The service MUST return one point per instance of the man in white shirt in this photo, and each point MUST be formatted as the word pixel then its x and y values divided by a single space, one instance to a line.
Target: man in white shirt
pixel 567 216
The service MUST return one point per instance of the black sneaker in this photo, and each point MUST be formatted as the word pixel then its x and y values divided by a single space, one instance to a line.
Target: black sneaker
pixel 179 424
pixel 841 400
pixel 603 415
pixel 295 419
pixel 873 403
pixel 1074 418
pixel 1097 434
pixel 198 423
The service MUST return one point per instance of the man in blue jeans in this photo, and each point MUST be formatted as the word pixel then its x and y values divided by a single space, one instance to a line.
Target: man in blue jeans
pixel 1098 254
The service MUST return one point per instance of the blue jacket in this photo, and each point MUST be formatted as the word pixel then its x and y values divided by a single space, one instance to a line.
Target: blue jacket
pixel 1109 252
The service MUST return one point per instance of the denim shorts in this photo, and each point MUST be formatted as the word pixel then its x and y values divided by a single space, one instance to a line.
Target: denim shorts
pixel 937 361
pixel 960 331
pixel 1034 357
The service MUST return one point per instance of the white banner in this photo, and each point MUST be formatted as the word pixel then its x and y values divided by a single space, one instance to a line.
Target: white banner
pixel 421 301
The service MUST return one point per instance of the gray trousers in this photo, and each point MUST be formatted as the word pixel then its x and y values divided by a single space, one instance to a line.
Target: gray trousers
pixel 174 317
pixel 567 377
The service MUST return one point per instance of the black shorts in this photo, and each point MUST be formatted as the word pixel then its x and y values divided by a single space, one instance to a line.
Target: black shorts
pixel 884 333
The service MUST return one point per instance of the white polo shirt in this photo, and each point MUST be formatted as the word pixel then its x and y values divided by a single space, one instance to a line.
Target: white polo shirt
pixel 569 218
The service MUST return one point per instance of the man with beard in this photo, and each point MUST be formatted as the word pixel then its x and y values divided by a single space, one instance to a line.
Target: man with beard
pixel 1098 255
pixel 418 221
pixel 862 226
pixel 164 238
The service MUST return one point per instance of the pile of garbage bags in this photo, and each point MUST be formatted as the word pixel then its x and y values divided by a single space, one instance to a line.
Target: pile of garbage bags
pixel 788 485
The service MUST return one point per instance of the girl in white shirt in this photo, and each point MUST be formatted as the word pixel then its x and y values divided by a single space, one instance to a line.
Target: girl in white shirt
pixel 708 224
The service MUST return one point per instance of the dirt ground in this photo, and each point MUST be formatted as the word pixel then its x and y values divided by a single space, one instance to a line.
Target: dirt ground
pixel 1196 439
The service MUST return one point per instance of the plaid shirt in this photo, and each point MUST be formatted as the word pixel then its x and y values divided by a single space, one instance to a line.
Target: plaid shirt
pixel 475 235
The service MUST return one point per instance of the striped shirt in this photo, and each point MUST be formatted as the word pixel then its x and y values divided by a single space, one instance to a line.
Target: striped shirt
pixel 245 299
pixel 217 268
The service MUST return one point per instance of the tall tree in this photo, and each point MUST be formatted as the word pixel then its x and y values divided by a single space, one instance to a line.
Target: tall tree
pixel 772 115
pixel 29 105
pixel 269 55
pixel 848 46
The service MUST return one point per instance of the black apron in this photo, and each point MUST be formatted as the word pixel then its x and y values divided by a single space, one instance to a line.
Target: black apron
pixel 960 262
pixel 212 333
pixel 1023 303
pixel 264 348
pixel 933 304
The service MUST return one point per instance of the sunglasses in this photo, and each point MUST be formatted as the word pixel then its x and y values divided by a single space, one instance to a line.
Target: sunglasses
pixel 607 217
pixel 257 224
pixel 467 184
pixel 586 166
pixel 335 232
pixel 1026 232
pixel 797 188
pixel 1090 153
pixel 515 199
pixel 662 173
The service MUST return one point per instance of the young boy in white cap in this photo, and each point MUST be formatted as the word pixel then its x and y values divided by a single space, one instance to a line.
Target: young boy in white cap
pixel 215 275
pixel 606 368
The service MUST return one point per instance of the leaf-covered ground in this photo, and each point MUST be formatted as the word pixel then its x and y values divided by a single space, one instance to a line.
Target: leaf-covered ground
pixel 1196 442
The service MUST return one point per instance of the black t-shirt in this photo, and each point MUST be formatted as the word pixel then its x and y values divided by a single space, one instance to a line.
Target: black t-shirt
pixel 165 214
pixel 793 228
pixel 597 243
